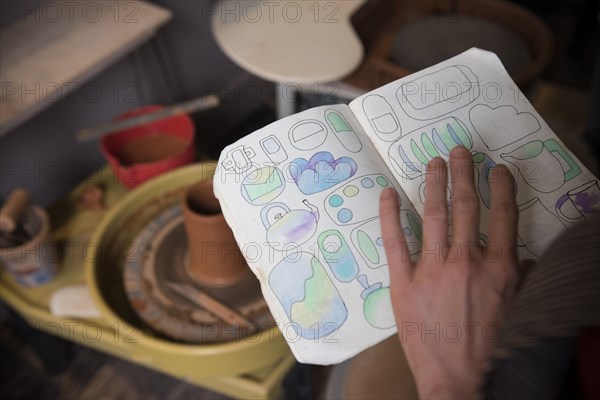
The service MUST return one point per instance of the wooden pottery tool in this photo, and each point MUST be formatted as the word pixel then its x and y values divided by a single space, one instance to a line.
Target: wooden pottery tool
pixel 190 107
pixel 219 309
pixel 25 247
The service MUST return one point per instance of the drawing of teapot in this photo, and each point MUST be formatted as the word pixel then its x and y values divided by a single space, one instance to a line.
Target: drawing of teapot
pixel 540 166
pixel 287 227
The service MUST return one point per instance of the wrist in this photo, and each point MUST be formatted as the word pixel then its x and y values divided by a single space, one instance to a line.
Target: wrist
pixel 446 392
pixel 448 387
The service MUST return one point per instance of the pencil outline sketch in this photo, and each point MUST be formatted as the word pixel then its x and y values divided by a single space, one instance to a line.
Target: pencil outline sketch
pixel 462 77
pixel 303 134
pixel 500 125
pixel 343 131
pixel 382 118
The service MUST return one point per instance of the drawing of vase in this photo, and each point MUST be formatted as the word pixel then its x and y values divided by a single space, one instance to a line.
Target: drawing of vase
pixel 308 296
pixel 540 165
pixel 538 227
pixel 377 306
pixel 580 202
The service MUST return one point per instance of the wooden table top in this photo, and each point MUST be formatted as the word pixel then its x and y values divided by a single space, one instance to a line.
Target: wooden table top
pixel 50 52
pixel 301 42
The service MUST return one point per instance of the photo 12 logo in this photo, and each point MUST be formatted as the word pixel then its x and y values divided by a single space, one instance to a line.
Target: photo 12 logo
pixel 273 11
pixel 70 11
pixel 90 332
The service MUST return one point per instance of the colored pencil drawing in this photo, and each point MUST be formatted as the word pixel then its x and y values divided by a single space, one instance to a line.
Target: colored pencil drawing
pixel 346 205
pixel 321 172
pixel 338 255
pixel 377 305
pixel 580 202
pixel 343 131
pixel 409 156
pixel 263 185
pixel 289 228
pixel 308 296
pixel 539 164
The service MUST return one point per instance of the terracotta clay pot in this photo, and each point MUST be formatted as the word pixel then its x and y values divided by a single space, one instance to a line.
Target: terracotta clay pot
pixel 214 257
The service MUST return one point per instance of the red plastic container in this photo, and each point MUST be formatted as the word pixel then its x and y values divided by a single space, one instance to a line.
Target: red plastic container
pixel 131 174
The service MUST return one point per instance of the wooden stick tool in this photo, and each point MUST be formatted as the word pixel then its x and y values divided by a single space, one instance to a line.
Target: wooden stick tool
pixel 201 104
pixel 220 310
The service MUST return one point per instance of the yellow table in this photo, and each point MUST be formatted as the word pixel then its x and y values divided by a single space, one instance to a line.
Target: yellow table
pixel 245 369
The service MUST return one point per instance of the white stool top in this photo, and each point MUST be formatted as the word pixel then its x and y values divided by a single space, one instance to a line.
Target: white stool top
pixel 290 41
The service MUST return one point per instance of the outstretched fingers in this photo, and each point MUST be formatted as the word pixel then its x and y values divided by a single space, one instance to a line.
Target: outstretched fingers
pixel 465 200
pixel 504 215
pixel 435 218
pixel 400 264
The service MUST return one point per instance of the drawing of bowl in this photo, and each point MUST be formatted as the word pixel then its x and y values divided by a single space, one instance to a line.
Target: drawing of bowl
pixel 308 134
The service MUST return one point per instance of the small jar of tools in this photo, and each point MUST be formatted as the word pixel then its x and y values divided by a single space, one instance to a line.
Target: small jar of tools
pixel 26 251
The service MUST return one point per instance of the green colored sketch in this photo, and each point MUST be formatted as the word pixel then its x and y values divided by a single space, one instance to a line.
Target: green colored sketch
pixel 368 248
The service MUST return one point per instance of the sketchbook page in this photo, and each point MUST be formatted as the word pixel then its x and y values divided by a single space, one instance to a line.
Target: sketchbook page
pixel 302 198
pixel 470 100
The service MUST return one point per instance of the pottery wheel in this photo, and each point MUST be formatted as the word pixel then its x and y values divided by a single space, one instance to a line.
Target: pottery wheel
pixel 158 256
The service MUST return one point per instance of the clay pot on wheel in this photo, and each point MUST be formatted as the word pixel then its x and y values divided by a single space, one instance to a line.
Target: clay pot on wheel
pixel 213 257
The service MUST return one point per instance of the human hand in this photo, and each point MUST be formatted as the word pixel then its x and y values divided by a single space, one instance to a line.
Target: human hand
pixel 450 304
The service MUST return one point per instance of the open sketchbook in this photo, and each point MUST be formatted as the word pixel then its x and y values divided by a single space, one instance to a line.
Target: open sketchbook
pixel 301 195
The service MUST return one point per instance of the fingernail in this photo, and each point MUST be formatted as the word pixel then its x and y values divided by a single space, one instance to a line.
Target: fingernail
pixel 495 173
pixel 460 150
pixel 498 171
pixel 388 193
pixel 437 162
